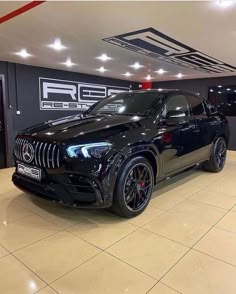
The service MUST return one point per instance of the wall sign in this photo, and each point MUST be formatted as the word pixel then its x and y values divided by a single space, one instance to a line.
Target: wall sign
pixel 72 95
pixel 155 44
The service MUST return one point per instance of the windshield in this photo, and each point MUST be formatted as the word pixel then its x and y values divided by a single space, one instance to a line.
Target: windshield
pixel 126 104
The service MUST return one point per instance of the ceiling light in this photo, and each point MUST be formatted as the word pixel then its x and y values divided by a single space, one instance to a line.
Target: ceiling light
pixel 68 62
pixel 160 71
pixel 136 65
pixel 23 53
pixel 219 86
pixel 159 89
pixel 219 92
pixel 228 89
pixel 148 77
pixel 179 75
pixel 225 3
pixel 234 91
pixel 211 90
pixel 57 45
pixel 127 74
pixel 101 69
pixel 104 57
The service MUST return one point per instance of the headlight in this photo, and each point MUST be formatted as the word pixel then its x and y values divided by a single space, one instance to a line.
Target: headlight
pixel 96 150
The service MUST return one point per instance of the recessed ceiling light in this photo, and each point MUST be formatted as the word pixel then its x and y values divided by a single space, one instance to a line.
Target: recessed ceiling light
pixel 234 91
pixel 101 69
pixel 228 89
pixel 127 74
pixel 225 3
pixel 104 57
pixel 179 75
pixel 219 86
pixel 219 92
pixel 23 53
pixel 148 77
pixel 68 62
pixel 211 90
pixel 136 65
pixel 161 71
pixel 57 45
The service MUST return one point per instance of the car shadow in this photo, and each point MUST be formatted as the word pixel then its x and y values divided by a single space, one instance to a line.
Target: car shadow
pixel 52 211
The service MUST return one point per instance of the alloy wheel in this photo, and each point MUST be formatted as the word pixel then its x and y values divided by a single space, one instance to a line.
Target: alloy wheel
pixel 220 152
pixel 138 187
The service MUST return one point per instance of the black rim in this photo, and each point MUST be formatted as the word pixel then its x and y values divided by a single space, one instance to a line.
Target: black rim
pixel 220 153
pixel 138 187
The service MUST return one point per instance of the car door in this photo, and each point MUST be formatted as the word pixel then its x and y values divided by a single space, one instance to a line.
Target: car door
pixel 179 139
pixel 207 126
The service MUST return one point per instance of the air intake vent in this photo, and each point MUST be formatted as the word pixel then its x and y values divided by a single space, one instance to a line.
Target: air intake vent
pixel 41 154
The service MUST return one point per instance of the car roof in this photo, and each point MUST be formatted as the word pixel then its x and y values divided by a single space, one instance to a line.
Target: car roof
pixel 165 91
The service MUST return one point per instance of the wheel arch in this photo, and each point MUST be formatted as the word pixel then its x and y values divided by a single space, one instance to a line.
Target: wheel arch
pixel 226 139
pixel 223 135
pixel 150 153
pixel 152 160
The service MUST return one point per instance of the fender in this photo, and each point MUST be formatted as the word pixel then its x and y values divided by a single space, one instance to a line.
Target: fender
pixel 128 152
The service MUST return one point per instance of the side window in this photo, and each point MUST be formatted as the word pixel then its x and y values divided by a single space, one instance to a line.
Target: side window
pixel 196 105
pixel 179 103
pixel 211 108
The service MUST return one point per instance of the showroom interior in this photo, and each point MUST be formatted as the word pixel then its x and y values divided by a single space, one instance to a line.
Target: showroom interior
pixel 58 59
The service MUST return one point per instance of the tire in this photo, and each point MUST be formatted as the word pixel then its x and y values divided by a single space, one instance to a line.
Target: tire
pixel 133 188
pixel 217 159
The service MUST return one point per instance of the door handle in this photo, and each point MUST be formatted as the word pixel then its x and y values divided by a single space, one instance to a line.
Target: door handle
pixel 195 129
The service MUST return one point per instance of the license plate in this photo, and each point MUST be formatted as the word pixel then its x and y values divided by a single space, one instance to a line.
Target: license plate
pixel 28 171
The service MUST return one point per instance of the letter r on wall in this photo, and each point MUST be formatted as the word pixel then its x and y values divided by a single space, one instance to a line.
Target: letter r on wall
pixel 59 89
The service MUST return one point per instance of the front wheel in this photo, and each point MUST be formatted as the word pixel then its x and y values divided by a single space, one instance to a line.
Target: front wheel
pixel 134 187
pixel 218 156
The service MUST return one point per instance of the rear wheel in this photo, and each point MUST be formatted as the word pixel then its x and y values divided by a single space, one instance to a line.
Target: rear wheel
pixel 218 156
pixel 133 188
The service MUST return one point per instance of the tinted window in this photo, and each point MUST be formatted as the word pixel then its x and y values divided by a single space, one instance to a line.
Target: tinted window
pixel 127 103
pixel 177 102
pixel 196 105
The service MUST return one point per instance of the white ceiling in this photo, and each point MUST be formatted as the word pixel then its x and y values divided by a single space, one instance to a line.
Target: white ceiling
pixel 204 26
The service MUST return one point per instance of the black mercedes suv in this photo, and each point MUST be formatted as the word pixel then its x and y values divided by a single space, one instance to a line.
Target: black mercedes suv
pixel 113 154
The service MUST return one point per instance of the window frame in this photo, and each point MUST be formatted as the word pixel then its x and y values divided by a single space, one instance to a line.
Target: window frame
pixel 170 96
pixel 210 108
pixel 203 105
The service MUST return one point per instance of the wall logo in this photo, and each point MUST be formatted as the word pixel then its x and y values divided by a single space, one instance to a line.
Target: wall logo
pixel 155 44
pixel 70 95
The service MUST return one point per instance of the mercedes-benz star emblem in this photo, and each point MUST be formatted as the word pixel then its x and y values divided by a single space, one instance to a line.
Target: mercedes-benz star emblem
pixel 28 152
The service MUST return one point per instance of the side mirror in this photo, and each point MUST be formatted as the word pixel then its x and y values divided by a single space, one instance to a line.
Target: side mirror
pixel 175 116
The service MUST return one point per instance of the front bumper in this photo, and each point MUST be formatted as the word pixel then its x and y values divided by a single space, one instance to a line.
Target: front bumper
pixel 67 189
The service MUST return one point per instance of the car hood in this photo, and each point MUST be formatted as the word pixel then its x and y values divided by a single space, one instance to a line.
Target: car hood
pixel 71 127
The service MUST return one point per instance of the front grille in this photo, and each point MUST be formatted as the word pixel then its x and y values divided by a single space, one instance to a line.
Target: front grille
pixel 45 155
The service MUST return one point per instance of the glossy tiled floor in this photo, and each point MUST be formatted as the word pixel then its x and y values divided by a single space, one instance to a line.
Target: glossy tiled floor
pixel 185 242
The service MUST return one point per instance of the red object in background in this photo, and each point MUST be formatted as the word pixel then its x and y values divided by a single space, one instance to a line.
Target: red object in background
pixel 146 85
pixel 20 10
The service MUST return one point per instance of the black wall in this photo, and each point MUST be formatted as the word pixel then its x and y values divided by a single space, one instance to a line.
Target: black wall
pixel 197 86
pixel 22 94
pixel 202 86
